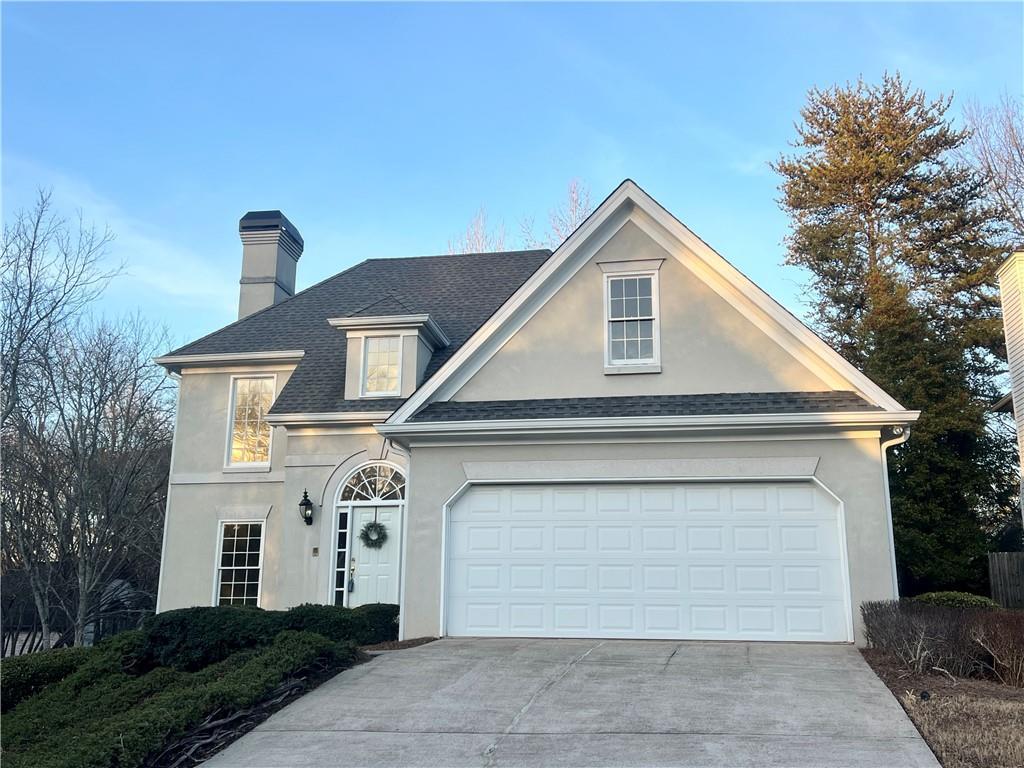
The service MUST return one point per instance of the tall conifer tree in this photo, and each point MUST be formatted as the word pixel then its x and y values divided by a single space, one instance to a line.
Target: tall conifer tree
pixel 897 239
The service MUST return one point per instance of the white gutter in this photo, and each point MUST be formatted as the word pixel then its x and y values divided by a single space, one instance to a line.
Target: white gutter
pixel 900 436
pixel 175 363
pixel 338 417
pixel 654 423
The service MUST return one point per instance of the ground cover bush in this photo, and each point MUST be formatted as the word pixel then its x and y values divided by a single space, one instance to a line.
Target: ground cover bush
pixel 960 642
pixel 102 715
pixel 137 697
pixel 24 676
pixel 192 638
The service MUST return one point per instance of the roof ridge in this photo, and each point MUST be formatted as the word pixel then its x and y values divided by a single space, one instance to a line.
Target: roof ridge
pixel 519 252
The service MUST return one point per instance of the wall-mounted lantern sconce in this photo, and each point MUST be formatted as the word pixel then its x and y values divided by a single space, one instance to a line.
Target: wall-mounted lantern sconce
pixel 306 508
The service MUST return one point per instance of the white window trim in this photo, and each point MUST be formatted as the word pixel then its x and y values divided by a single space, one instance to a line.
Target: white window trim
pixel 253 466
pixel 220 552
pixel 397 392
pixel 641 366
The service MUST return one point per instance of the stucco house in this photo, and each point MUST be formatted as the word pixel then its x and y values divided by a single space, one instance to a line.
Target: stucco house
pixel 625 438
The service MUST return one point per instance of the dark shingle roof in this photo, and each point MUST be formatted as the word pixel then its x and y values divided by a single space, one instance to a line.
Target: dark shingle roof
pixel 459 292
pixel 729 403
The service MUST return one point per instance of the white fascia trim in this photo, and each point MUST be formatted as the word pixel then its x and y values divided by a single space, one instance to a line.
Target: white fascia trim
pixel 432 332
pixel 175 363
pixel 342 417
pixel 629 198
pixel 763 301
pixel 593 224
pixel 841 419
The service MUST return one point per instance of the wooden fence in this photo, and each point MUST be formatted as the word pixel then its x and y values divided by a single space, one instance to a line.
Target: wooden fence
pixel 1006 572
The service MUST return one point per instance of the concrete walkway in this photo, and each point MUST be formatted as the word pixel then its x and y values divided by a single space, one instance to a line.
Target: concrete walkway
pixel 593 703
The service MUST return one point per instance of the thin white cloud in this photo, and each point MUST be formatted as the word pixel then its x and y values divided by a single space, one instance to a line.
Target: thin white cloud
pixel 156 268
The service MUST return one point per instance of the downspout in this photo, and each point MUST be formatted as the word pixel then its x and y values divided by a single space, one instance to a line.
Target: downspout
pixel 896 436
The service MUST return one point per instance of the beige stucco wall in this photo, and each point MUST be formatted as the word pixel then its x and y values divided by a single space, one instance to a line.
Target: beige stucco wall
pixel 849 466
pixel 706 344
pixel 202 493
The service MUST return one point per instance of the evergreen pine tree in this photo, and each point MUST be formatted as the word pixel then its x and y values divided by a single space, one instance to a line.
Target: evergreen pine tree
pixel 897 238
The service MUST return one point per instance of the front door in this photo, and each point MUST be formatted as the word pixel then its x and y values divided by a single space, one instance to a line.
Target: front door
pixel 374 570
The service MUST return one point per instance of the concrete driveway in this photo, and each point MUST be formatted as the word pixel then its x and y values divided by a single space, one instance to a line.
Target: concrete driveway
pixel 472 702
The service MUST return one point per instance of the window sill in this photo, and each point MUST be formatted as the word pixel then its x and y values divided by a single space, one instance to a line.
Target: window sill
pixel 247 468
pixel 610 370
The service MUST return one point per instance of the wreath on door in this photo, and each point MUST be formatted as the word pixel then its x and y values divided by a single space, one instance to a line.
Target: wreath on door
pixel 373 535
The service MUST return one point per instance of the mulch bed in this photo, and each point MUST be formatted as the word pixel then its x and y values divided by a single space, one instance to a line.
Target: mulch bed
pixel 220 729
pixel 398 645
pixel 968 723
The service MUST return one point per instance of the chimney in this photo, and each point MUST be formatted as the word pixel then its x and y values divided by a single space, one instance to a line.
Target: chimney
pixel 271 247
pixel 1011 293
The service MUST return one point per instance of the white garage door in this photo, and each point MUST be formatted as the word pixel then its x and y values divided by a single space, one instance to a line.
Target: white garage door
pixel 724 561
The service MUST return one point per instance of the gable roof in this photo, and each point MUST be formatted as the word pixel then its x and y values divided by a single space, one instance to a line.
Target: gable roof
pixel 459 291
pixel 628 202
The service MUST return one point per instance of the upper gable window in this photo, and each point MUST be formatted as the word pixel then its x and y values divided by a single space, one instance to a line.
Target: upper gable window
pixel 382 357
pixel 631 308
pixel 251 398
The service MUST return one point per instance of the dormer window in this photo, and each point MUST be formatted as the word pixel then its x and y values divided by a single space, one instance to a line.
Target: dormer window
pixel 387 355
pixel 383 366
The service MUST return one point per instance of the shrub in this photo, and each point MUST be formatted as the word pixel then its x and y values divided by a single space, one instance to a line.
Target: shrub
pixel 128 721
pixel 365 625
pixel 962 642
pixel 1001 635
pixel 956 600
pixel 192 638
pixel 382 619
pixel 924 637
pixel 24 676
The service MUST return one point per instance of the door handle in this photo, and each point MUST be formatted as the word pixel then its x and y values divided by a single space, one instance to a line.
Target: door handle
pixel 352 575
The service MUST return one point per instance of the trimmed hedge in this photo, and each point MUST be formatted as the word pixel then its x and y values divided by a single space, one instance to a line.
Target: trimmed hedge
pixel 956 600
pixel 101 715
pixel 192 638
pixel 24 676
pixel 963 642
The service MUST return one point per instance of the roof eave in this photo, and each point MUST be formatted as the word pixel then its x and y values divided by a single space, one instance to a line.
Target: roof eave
pixel 175 363
pixel 654 424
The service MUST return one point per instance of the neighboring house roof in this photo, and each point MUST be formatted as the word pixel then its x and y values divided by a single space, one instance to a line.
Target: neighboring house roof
pixel 1003 405
pixel 730 403
pixel 460 292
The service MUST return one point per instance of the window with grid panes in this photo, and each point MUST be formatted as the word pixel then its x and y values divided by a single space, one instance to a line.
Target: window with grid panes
pixel 382 359
pixel 251 398
pixel 240 564
pixel 631 319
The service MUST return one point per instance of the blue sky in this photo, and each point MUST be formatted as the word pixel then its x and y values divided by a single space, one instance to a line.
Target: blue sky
pixel 381 129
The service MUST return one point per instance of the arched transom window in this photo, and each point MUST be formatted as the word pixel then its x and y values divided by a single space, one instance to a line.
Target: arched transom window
pixel 375 482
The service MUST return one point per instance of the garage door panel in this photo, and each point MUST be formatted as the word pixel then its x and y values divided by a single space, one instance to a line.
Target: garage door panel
pixel 676 561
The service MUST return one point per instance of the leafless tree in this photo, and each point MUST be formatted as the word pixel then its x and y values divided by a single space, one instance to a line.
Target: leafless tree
pixel 101 417
pixel 49 271
pixel 563 220
pixel 479 237
pixel 996 149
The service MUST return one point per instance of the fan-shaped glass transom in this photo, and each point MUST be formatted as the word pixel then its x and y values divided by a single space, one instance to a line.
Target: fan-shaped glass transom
pixel 375 482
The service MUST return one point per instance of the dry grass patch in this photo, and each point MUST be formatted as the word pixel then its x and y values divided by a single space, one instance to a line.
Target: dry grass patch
pixel 965 731
pixel 968 723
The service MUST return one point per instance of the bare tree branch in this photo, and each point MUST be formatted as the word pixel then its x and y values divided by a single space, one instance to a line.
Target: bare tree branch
pixel 49 271
pixel 478 237
pixel 996 149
